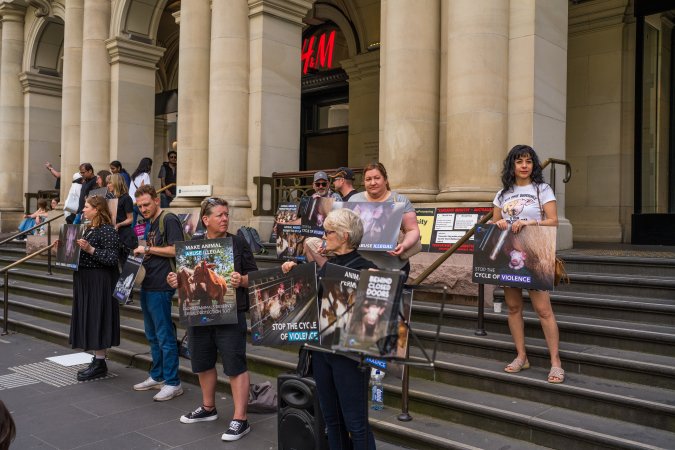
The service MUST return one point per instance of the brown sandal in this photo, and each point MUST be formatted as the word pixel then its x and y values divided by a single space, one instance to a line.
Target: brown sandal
pixel 517 365
pixel 556 375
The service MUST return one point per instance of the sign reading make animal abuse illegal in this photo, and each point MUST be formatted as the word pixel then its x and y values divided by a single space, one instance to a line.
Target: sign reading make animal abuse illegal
pixel 205 295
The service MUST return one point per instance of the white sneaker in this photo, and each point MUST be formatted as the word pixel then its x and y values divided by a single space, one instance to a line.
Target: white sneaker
pixel 168 392
pixel 148 384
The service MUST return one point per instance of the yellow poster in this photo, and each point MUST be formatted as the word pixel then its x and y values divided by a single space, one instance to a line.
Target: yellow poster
pixel 425 220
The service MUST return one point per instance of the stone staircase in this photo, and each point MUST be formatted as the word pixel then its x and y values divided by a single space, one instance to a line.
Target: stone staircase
pixel 616 323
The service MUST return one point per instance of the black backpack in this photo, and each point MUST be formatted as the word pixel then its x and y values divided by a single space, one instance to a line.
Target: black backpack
pixel 252 238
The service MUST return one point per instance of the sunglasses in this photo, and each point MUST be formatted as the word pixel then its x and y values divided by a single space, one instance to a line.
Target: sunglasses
pixel 321 184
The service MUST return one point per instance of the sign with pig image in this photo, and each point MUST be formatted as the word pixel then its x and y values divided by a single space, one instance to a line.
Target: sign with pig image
pixel 524 260
pixel 205 296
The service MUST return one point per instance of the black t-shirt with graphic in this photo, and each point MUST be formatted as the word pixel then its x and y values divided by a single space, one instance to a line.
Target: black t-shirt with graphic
pixel 157 267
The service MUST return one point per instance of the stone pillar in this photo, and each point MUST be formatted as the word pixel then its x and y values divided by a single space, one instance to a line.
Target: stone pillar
pixel 410 84
pixel 274 85
pixel 132 124
pixel 95 99
pixel 228 102
pixel 537 95
pixel 42 129
pixel 364 92
pixel 71 93
pixel 193 96
pixel 477 43
pixel 161 145
pixel 11 108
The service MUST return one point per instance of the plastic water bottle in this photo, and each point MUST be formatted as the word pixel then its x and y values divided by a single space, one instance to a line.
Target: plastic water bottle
pixel 377 390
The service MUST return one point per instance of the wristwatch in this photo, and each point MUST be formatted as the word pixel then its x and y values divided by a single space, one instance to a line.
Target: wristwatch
pixel 146 249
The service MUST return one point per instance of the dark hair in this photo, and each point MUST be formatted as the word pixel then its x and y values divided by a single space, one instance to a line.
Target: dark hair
pixel 143 167
pixel 104 174
pixel 102 212
pixel 208 204
pixel 116 164
pixel 508 171
pixel 146 189
pixel 42 203
pixel 7 427
pixel 172 152
pixel 379 167
pixel 86 167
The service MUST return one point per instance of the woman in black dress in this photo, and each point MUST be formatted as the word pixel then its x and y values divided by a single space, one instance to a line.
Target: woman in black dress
pixel 95 320
pixel 125 206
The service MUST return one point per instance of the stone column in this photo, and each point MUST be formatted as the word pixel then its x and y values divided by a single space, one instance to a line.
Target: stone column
pixel 274 83
pixel 537 95
pixel 476 99
pixel 132 124
pixel 228 102
pixel 95 100
pixel 71 93
pixel 193 96
pixel 364 92
pixel 161 145
pixel 42 129
pixel 12 17
pixel 410 84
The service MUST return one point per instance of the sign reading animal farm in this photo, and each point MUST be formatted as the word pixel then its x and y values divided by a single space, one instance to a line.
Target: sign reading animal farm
pixel 205 295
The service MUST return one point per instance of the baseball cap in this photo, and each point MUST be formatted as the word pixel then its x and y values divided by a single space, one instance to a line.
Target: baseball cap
pixel 344 172
pixel 320 175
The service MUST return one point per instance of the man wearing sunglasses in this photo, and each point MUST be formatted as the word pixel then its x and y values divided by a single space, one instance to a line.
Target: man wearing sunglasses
pixel 322 186
pixel 343 181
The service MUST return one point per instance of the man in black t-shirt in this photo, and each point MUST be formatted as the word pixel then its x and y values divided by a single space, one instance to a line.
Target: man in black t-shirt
pixel 343 181
pixel 88 183
pixel 167 176
pixel 159 251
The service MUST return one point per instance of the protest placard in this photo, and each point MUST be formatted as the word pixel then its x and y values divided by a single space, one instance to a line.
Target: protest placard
pixel 68 252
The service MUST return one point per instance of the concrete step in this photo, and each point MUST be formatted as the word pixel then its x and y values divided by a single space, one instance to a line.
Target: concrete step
pixel 641 404
pixel 606 363
pixel 658 311
pixel 435 432
pixel 584 261
pixel 633 336
pixel 624 285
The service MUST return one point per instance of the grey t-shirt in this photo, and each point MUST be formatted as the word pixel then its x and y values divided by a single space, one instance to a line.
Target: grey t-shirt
pixel 383 260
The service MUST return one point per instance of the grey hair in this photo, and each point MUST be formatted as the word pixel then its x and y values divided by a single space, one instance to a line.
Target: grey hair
pixel 345 220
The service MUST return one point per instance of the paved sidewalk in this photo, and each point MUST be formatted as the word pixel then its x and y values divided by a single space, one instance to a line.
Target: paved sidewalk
pixel 59 413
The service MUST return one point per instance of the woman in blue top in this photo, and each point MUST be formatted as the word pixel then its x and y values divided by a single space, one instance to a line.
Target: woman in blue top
pixel 525 200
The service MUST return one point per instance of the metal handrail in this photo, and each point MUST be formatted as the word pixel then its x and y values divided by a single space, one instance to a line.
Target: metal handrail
pixel 480 327
pixel 160 190
pixel 21 233
pixel 5 272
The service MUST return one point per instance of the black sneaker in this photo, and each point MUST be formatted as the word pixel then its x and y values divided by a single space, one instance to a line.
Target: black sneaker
pixel 238 429
pixel 200 414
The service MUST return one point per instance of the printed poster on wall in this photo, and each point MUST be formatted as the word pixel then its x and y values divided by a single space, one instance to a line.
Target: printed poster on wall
pixel 425 221
pixel 450 224
pixel 205 295
pixel 381 223
pixel 283 306
pixel 524 260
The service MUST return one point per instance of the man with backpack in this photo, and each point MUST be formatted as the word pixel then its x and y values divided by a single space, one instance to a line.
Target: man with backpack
pixel 159 253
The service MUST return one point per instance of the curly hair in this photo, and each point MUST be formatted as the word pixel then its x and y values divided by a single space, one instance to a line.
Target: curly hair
pixel 509 172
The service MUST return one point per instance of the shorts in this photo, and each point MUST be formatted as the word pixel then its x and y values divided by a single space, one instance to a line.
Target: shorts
pixel 229 340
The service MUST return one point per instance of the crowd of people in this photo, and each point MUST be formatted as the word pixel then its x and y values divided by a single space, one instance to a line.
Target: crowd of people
pixel 340 380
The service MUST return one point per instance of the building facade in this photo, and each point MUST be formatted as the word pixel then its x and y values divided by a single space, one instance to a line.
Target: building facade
pixel 437 90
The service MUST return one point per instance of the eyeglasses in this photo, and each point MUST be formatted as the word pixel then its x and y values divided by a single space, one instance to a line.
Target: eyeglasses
pixel 328 232
pixel 321 184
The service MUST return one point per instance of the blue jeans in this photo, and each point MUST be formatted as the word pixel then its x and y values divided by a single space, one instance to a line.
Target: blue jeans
pixel 134 215
pixel 156 306
pixel 341 385
pixel 164 200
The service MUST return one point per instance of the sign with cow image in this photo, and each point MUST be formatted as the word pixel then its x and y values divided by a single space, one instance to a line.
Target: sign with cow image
pixel 283 306
pixel 205 295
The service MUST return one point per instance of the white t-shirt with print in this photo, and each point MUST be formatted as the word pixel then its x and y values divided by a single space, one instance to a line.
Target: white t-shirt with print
pixel 140 180
pixel 520 202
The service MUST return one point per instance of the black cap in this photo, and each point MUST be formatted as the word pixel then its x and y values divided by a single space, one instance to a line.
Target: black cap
pixel 344 172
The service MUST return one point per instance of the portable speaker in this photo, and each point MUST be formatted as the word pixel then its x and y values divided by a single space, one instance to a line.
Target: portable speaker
pixel 301 425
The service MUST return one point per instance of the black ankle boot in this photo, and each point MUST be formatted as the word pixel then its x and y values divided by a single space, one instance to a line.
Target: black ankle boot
pixel 97 369
pixel 81 371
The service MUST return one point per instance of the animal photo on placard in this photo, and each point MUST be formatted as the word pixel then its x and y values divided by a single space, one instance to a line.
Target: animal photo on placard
pixel 205 296
pixel 283 306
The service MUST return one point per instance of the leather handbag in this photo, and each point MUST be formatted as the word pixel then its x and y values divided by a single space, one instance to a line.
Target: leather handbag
pixel 560 273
